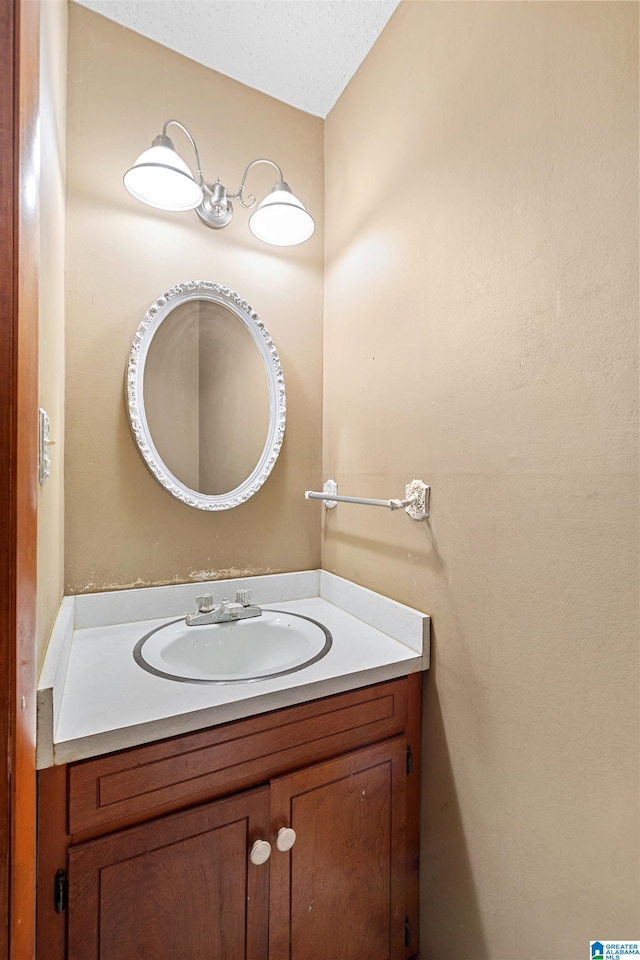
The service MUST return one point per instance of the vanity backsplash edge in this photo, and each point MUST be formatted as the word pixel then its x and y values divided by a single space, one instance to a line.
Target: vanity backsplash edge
pixel 150 603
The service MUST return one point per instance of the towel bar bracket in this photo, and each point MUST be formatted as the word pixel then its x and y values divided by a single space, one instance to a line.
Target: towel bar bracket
pixel 331 487
pixel 420 495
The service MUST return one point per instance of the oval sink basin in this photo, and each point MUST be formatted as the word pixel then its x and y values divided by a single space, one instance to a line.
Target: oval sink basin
pixel 257 648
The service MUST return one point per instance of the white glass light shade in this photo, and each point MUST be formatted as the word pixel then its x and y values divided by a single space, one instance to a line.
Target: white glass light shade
pixel 281 219
pixel 162 179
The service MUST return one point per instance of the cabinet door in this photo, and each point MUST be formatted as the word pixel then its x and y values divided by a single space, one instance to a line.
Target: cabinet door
pixel 180 887
pixel 338 894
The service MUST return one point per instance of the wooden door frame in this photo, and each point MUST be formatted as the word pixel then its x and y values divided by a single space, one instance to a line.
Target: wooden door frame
pixel 19 301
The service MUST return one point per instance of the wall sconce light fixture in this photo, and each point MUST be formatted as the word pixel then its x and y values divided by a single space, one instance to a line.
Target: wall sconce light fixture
pixel 161 178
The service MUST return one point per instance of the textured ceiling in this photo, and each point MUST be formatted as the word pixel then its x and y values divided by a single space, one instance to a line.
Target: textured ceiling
pixel 301 51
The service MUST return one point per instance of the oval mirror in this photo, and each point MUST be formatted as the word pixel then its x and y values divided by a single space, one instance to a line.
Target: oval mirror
pixel 205 395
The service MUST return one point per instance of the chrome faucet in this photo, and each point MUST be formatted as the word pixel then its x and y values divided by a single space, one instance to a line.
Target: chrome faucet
pixel 223 612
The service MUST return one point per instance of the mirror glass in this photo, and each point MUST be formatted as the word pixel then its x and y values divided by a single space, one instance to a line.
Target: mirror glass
pixel 206 396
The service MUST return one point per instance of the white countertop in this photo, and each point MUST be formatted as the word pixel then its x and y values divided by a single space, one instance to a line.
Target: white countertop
pixel 93 698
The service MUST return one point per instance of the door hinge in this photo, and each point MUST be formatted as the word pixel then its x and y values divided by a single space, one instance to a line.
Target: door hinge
pixel 409 759
pixel 407 932
pixel 60 891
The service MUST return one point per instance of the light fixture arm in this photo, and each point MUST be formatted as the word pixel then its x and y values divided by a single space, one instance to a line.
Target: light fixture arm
pixel 251 200
pixel 191 141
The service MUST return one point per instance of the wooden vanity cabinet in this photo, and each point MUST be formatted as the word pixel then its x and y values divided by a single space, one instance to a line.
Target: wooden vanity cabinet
pixel 147 853
pixel 177 886
pixel 340 891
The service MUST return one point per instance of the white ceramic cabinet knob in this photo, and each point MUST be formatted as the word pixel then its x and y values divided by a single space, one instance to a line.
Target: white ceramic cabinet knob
pixel 286 838
pixel 260 852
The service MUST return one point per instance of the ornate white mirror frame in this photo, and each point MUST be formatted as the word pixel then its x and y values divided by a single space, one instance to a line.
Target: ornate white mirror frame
pixel 156 314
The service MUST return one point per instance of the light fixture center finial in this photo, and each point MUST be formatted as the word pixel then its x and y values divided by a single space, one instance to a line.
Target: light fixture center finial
pixel 215 210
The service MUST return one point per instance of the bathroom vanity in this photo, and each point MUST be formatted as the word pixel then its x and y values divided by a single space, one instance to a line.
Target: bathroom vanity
pixel 169 829
pixel 290 832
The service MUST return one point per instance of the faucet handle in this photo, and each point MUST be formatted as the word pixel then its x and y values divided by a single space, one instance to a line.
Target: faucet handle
pixel 243 597
pixel 205 603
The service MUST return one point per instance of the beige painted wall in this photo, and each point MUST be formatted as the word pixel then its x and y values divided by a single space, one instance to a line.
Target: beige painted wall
pixel 122 528
pixel 481 303
pixel 53 92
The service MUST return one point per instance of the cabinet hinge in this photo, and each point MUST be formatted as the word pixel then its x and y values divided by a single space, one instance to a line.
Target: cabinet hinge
pixel 60 891
pixel 407 932
pixel 409 759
